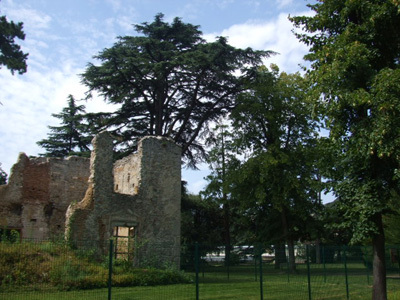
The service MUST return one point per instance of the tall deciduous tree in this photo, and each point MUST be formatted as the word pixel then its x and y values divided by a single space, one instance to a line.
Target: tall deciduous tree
pixel 71 138
pixel 355 56
pixel 201 223
pixel 11 54
pixel 273 122
pixel 169 81
pixel 222 162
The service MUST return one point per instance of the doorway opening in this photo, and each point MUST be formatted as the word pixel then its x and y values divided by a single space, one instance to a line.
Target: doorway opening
pixel 124 242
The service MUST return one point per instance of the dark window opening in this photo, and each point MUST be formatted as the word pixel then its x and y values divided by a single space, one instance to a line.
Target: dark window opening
pixel 16 209
pixel 48 209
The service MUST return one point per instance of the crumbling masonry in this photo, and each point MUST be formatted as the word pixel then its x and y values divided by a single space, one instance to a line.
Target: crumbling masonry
pixel 136 200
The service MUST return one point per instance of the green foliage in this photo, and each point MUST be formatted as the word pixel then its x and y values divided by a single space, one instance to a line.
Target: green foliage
pixel 201 222
pixel 355 77
pixel 392 225
pixel 355 56
pixel 168 81
pixel 148 277
pixel 11 54
pixel 278 185
pixel 3 176
pixel 223 162
pixel 72 137
pixel 9 236
pixel 55 265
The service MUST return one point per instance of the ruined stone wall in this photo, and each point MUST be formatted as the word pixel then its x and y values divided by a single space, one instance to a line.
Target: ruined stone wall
pixel 147 198
pixel 126 175
pixel 160 191
pixel 11 196
pixel 39 192
pixel 87 199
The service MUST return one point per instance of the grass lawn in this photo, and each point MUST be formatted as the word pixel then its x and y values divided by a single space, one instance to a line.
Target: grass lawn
pixel 242 283
pixel 216 287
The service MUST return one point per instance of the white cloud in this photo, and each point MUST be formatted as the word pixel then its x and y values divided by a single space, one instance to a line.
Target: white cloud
pixel 59 47
pixel 34 20
pixel 275 35
pixel 28 102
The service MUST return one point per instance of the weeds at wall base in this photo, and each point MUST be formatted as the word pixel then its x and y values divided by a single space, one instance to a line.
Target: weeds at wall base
pixel 55 266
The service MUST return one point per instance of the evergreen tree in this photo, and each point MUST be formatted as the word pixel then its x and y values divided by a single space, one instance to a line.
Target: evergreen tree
pixel 11 54
pixel 3 176
pixel 71 138
pixel 170 82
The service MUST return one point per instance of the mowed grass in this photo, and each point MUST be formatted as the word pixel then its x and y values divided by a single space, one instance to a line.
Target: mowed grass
pixel 276 291
pixel 243 283
pixel 47 271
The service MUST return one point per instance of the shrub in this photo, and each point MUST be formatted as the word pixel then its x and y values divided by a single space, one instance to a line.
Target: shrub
pixel 24 265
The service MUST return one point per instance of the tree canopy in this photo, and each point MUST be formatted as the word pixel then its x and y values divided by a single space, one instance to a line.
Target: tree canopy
pixel 169 81
pixel 355 74
pixel 71 138
pixel 11 54
pixel 276 184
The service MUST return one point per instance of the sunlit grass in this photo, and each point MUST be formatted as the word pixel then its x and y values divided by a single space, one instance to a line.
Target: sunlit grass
pixel 216 282
pixel 274 288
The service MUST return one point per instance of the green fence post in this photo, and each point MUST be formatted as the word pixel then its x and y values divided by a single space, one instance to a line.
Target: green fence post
pixel 366 262
pixel 398 259
pixel 196 267
pixel 202 268
pixel 261 275
pixel 308 271
pixel 345 272
pixel 110 267
pixel 255 263
pixel 227 259
pixel 287 266
pixel 324 262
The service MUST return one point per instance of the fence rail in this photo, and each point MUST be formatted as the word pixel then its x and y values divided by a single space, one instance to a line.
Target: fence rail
pixel 51 270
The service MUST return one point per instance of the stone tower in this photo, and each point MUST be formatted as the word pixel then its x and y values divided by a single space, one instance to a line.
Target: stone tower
pixel 136 201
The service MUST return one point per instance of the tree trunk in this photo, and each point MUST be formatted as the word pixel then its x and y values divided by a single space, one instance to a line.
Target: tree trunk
pixel 318 251
pixel 227 233
pixel 379 269
pixel 159 108
pixel 280 255
pixel 285 226
pixel 292 258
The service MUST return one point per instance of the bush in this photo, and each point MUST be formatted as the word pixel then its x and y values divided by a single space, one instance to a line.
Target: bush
pixel 24 265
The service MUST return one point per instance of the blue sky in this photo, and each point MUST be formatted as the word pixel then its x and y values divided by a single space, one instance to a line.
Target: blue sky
pixel 62 37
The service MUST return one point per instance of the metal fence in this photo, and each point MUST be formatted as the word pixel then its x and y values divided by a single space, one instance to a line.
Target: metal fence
pixel 55 270
pixel 319 272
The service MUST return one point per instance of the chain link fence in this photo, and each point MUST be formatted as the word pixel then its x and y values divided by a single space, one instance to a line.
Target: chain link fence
pixel 57 270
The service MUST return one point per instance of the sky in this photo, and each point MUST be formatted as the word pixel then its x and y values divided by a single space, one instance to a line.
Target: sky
pixel 63 36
